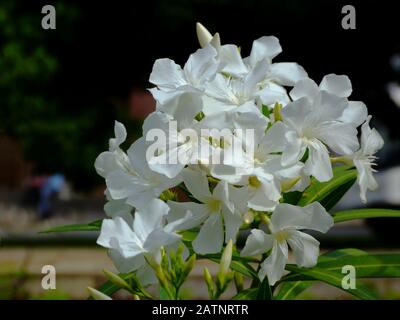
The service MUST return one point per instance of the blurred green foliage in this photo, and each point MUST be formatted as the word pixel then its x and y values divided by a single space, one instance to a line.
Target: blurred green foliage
pixel 34 109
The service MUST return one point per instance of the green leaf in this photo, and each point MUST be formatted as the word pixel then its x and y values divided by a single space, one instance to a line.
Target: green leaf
pixel 264 292
pixel 248 294
pixel 347 215
pixel 367 266
pixel 92 226
pixel 332 278
pixel 291 289
pixel 329 193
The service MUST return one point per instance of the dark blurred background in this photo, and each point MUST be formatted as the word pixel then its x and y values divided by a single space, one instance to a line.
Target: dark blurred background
pixel 60 90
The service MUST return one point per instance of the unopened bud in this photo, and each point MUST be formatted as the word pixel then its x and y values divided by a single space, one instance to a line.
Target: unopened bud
pixel 97 295
pixel 248 217
pixel 203 35
pixel 209 281
pixel 226 258
pixel 116 279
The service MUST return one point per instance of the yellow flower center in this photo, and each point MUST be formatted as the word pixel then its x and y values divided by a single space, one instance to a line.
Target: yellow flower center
pixel 254 182
pixel 214 205
pixel 281 236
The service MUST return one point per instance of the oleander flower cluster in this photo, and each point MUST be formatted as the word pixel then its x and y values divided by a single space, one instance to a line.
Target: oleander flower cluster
pixel 232 134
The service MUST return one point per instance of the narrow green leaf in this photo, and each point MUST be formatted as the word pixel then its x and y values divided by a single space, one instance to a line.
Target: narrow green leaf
pixel 332 278
pixel 92 226
pixel 347 215
pixel 367 266
pixel 329 193
pixel 264 292
pixel 248 294
pixel 291 289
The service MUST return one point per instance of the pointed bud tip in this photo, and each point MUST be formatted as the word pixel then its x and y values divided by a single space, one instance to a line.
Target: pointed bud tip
pixel 97 295
pixel 203 35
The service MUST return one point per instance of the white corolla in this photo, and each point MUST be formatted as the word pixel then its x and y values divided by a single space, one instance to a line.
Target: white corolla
pixel 136 183
pixel 315 117
pixel 215 212
pixel 130 242
pixel 284 226
pixel 171 80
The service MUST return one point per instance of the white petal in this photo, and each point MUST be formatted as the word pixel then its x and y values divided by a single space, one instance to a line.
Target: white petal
pixel 355 113
pixel 233 63
pixel 296 113
pixel 312 216
pixel 115 208
pixel 122 185
pixel 371 140
pixel 274 139
pixel 105 163
pixel 116 234
pixel 186 215
pixel 220 192
pixel 305 248
pixel 167 74
pixel 287 73
pixel 273 93
pixel 340 137
pixel 146 275
pixel 197 184
pixel 338 85
pixel 159 238
pixel 258 242
pixel 125 265
pixel 294 149
pixel 274 266
pixel 232 222
pixel 254 77
pixel 211 236
pixel 201 65
pixel 149 218
pixel 365 179
pixel 305 88
pixel 120 136
pixel 318 163
pixel 264 47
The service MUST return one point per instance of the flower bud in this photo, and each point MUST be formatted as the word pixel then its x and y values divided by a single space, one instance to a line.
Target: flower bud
pixel 209 281
pixel 248 217
pixel 188 267
pixel 226 258
pixel 238 277
pixel 97 295
pixel 117 280
pixel 203 35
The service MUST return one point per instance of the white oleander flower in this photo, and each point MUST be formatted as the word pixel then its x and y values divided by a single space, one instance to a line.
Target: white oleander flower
pixel 285 223
pixel 136 183
pixel 364 159
pixel 179 141
pixel 215 211
pixel 130 242
pixel 315 118
pixel 171 80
